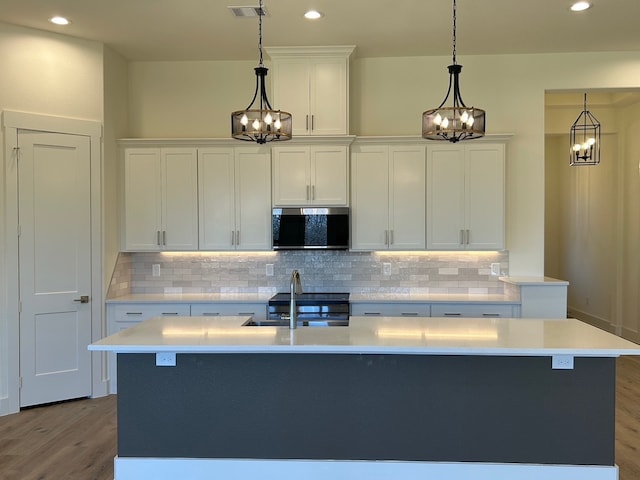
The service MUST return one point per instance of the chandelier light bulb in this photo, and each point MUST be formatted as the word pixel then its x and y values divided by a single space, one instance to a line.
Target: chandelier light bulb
pixel 244 120
pixel 470 121
pixel 591 141
pixel 277 124
pixel 464 117
pixel 445 122
pixel 256 124
pixel 438 120
pixel 576 147
pixel 268 119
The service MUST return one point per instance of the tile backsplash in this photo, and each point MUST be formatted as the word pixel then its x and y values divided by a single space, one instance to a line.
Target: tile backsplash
pixel 327 271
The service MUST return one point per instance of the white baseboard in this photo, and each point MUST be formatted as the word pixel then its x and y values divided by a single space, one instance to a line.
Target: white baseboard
pixel 231 469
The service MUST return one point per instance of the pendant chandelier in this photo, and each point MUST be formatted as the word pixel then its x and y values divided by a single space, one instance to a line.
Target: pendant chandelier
pixel 260 123
pixel 585 139
pixel 457 122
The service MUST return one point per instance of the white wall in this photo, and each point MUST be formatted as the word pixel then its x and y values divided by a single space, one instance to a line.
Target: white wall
pixel 388 96
pixel 116 117
pixel 47 74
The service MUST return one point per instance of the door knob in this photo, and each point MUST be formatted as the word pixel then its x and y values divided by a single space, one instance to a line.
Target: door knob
pixel 82 299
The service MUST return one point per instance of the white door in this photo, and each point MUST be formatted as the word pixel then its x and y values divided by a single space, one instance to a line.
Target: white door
pixel 55 266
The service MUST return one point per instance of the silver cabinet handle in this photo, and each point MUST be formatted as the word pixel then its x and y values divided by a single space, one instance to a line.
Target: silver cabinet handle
pixel 306 125
pixel 210 314
pixel 246 313
pixel 165 314
pixel 164 237
pixel 233 237
pixel 370 314
pixel 313 122
pixel 457 314
pixel 237 237
pixel 158 237
pixel 409 314
pixel 391 237
pixel 491 315
pixel 461 237
pixel 386 237
pixel 307 197
pixel 82 299
pixel 467 242
pixel 133 313
pixel 313 192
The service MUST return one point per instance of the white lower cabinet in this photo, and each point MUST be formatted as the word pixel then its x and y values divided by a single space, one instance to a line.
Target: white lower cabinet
pixel 256 310
pixel 391 309
pixel 472 310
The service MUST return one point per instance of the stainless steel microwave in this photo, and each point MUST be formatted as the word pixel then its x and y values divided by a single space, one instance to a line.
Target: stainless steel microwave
pixel 310 228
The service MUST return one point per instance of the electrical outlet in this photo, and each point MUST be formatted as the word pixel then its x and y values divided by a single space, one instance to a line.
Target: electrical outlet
pixel 562 362
pixel 495 269
pixel 269 270
pixel 386 268
pixel 155 270
pixel 165 359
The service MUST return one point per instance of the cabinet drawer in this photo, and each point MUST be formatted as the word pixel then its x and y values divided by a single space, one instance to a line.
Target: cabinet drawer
pixel 390 310
pixel 255 310
pixel 474 310
pixel 138 312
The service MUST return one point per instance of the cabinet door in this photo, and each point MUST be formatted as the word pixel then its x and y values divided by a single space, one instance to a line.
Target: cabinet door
pixel 407 197
pixel 291 92
pixel 471 310
pixel 291 176
pixel 369 198
pixel 253 198
pixel 179 199
pixel 328 96
pixel 258 311
pixel 445 197
pixel 484 178
pixel 329 175
pixel 142 199
pixel 216 178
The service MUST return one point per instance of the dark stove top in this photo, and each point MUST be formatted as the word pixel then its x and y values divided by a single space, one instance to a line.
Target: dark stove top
pixel 310 298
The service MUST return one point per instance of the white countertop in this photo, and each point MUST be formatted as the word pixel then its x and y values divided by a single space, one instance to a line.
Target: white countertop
pixel 371 297
pixel 433 298
pixel 366 335
pixel 192 298
pixel 534 281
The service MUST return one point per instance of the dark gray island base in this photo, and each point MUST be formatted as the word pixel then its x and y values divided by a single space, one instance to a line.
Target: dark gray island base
pixel 415 408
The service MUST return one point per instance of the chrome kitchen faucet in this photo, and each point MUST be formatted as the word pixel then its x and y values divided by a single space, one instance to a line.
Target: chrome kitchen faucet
pixel 295 287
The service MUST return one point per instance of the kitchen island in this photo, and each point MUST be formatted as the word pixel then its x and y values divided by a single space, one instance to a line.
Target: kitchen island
pixel 384 398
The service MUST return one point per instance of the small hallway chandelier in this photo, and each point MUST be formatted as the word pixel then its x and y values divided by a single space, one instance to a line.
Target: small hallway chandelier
pixel 585 139
pixel 260 123
pixel 457 122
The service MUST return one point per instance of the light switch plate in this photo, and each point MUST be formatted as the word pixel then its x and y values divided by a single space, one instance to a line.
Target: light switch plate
pixel 495 269
pixel 386 268
pixel 269 270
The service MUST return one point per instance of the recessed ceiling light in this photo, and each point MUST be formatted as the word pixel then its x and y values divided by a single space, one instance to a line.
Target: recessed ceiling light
pixel 59 20
pixel 312 15
pixel 580 6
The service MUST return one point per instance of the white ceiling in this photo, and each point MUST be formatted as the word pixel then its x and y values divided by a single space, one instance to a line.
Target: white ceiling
pixel 206 30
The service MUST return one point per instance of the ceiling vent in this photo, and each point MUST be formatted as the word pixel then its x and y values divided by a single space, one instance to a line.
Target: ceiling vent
pixel 243 12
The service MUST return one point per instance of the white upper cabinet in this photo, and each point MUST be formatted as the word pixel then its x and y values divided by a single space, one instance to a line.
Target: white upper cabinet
pixel 235 198
pixel 388 197
pixel 160 199
pixel 312 83
pixel 465 199
pixel 310 175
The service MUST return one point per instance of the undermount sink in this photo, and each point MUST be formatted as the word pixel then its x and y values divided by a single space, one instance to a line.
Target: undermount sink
pixel 300 323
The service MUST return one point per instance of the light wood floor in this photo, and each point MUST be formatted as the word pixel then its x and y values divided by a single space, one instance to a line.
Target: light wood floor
pixel 77 440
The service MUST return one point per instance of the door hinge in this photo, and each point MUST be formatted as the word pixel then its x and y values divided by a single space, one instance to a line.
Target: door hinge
pixel 20 383
pixel 19 230
pixel 19 307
